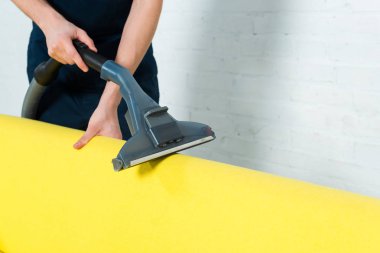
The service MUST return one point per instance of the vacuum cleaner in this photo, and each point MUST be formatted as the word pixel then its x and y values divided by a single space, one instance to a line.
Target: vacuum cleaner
pixel 155 133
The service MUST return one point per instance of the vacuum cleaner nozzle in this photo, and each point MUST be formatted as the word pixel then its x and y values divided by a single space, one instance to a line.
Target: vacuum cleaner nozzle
pixel 143 147
pixel 155 132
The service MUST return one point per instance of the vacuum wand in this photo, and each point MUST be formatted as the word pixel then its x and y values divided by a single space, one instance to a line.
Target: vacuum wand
pixel 155 133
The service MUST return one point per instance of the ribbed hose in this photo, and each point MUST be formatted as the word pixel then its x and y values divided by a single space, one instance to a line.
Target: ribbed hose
pixel 32 100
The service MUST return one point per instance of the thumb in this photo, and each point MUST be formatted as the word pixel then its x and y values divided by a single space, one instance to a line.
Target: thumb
pixel 83 37
pixel 86 137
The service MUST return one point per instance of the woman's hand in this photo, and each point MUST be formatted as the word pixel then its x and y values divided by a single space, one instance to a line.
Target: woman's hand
pixel 104 121
pixel 59 39
pixel 58 31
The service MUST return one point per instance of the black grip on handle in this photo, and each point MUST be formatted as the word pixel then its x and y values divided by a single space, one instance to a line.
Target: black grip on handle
pixel 91 58
pixel 47 71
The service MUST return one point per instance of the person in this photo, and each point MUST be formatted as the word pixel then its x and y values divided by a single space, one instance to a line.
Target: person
pixel 117 29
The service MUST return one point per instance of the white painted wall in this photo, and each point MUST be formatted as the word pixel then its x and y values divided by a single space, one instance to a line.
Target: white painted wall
pixel 14 34
pixel 291 87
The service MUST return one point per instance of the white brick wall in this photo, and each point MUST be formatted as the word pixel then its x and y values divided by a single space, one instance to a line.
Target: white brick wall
pixel 291 87
pixel 14 34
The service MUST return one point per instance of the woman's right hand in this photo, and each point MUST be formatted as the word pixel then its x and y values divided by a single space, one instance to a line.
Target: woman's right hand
pixel 58 31
pixel 59 39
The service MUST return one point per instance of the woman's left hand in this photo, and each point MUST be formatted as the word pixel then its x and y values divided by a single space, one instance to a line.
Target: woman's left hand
pixel 104 121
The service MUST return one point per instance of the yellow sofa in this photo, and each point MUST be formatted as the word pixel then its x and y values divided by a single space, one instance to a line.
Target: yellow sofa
pixel 54 199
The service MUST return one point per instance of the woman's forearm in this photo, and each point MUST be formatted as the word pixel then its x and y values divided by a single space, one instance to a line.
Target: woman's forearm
pixel 136 39
pixel 39 11
pixel 138 32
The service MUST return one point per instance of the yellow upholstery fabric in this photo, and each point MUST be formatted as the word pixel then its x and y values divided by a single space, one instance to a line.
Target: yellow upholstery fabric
pixel 54 199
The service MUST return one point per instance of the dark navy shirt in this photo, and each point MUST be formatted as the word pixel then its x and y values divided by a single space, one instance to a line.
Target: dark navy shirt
pixel 103 20
pixel 97 17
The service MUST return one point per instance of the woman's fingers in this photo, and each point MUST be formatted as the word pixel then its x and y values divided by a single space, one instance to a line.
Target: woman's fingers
pixel 60 44
pixel 82 36
pixel 74 57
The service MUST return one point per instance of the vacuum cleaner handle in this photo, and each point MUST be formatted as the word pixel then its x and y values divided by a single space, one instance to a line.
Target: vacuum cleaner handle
pixel 91 58
pixel 137 100
pixel 48 70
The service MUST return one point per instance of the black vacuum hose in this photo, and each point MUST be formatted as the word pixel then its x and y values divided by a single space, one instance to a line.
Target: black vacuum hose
pixel 47 71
